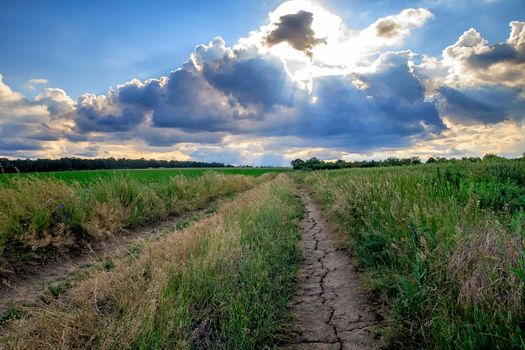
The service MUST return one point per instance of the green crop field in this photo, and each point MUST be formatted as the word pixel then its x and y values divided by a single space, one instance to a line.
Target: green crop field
pixel 87 176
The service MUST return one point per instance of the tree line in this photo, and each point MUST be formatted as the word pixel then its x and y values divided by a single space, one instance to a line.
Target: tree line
pixel 43 165
pixel 316 164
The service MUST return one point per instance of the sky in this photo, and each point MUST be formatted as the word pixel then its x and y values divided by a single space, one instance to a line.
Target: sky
pixel 262 82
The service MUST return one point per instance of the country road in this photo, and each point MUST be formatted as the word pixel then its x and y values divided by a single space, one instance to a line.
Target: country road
pixel 331 308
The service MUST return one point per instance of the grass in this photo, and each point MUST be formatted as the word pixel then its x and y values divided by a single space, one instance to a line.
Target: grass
pixel 149 175
pixel 41 216
pixel 223 282
pixel 441 246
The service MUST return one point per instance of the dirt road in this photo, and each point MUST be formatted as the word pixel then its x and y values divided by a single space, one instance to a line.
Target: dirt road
pixel 331 308
pixel 25 283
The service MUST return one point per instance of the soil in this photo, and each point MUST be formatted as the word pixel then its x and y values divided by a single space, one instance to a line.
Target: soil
pixel 331 308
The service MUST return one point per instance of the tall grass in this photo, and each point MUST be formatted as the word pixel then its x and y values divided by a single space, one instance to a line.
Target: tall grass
pixel 39 216
pixel 442 247
pixel 224 282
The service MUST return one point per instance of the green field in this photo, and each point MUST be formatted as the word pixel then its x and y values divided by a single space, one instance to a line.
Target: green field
pixel 86 176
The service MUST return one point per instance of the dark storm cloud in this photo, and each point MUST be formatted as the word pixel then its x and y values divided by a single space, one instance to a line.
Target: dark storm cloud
pixel 387 28
pixel 218 90
pixel 261 81
pixel 90 120
pixel 88 152
pixel 190 102
pixel 142 95
pixel 45 133
pixel 222 91
pixel 485 104
pixel 9 129
pixel 388 111
pixel 169 137
pixel 499 53
pixel 296 30
pixel 8 145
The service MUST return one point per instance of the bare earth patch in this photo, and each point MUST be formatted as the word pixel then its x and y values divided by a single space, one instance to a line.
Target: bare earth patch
pixel 331 308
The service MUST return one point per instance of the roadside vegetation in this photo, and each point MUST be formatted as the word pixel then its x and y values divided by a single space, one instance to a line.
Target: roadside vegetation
pixel 441 246
pixel 41 216
pixel 223 282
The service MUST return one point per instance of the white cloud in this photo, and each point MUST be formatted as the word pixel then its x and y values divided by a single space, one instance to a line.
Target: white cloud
pixel 31 84
pixel 472 61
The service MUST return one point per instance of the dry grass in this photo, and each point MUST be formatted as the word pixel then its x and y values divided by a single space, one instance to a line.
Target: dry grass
pixel 484 264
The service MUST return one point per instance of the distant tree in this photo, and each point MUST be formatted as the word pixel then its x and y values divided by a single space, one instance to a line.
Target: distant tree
pixel 415 160
pixel 41 165
pixel 340 164
pixel 298 164
pixel 316 164
pixel 490 156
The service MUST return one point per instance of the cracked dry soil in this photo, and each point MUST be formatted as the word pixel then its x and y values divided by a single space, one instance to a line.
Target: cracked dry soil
pixel 331 309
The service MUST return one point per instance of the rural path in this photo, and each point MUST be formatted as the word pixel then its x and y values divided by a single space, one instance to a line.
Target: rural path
pixel 26 282
pixel 331 308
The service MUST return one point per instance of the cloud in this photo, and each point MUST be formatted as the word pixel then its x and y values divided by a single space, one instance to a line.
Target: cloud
pixel 10 146
pixel 362 111
pixel 477 82
pixel 471 61
pixel 30 125
pixel 99 114
pixel 295 29
pixel 14 105
pixel 56 101
pixel 249 93
pixel 217 90
pixel 485 104
pixel 387 28
pixel 254 80
pixel 31 84
pixel 398 27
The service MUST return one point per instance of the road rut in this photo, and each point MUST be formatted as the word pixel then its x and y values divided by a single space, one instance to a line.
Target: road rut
pixel 331 308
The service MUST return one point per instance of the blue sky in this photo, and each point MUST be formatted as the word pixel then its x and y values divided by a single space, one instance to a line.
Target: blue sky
pixel 56 57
